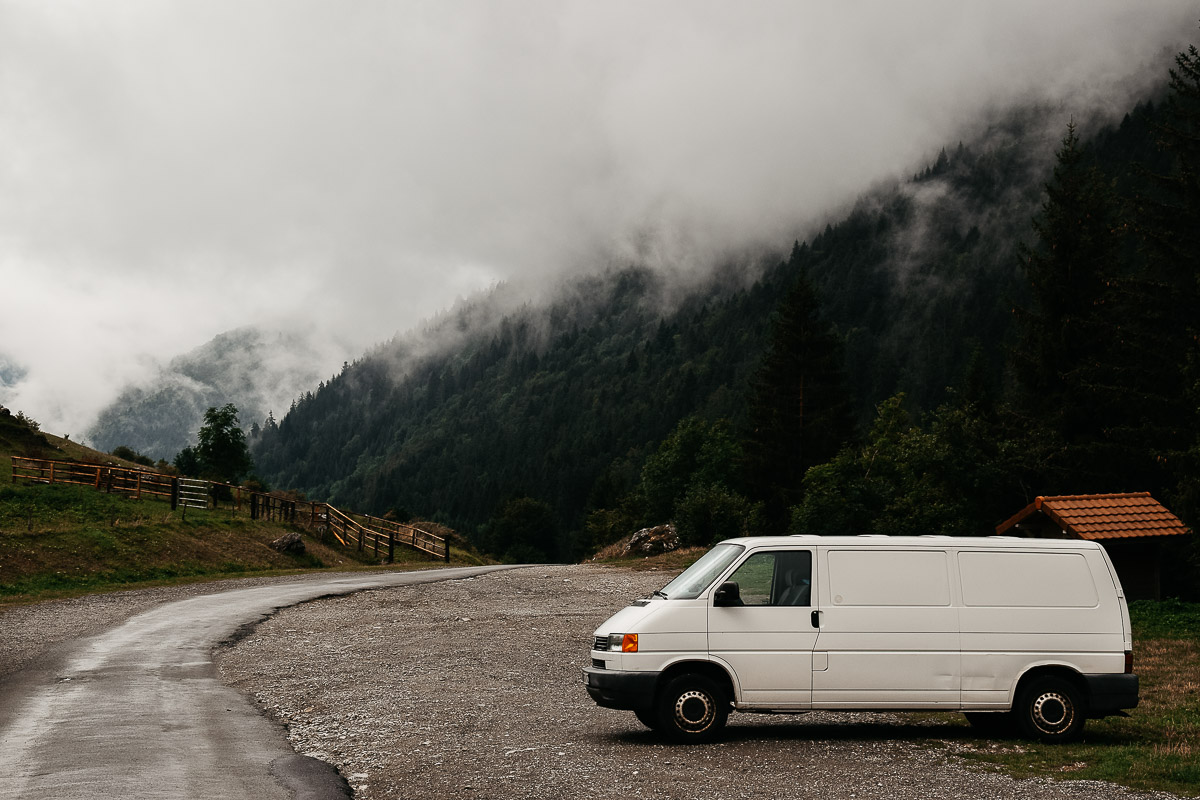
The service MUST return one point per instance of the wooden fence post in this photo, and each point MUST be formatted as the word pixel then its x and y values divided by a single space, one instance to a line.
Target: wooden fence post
pixel 391 547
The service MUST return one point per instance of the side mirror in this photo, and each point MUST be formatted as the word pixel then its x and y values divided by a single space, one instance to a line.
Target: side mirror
pixel 727 594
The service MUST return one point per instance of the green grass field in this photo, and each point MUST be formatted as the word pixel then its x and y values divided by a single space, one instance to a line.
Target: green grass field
pixel 1157 747
pixel 63 540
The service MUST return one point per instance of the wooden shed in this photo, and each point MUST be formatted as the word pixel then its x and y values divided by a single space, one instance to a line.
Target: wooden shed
pixel 1131 527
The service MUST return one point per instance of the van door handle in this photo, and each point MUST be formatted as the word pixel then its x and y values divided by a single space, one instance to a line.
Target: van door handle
pixel 816 619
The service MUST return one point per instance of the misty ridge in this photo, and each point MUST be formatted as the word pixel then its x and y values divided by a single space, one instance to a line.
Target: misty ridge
pixel 426 153
pixel 266 373
pixel 952 231
pixel 531 416
pixel 256 370
pixel 562 399
pixel 985 193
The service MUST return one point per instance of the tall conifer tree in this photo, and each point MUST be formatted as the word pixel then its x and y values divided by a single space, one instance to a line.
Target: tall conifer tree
pixel 798 411
pixel 1168 222
pixel 1068 390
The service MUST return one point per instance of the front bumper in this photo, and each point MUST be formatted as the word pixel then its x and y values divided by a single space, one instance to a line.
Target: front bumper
pixel 1109 693
pixel 628 691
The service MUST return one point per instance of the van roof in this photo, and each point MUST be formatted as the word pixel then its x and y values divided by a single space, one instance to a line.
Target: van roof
pixel 885 542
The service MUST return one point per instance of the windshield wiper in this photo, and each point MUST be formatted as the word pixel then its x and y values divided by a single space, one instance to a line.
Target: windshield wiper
pixel 661 593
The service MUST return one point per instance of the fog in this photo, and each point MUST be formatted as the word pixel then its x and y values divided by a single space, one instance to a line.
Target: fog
pixel 172 170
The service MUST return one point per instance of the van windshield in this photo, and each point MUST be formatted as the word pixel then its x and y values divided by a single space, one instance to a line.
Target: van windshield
pixel 696 578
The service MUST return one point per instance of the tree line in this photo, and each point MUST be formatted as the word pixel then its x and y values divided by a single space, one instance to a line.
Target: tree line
pixel 873 381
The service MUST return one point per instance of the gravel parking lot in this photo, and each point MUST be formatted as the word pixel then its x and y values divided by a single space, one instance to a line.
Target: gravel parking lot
pixel 472 689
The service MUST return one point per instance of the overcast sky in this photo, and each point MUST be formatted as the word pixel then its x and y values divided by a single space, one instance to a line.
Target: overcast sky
pixel 171 170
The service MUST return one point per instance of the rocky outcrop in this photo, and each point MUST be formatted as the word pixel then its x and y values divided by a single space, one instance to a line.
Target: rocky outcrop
pixel 652 541
pixel 290 544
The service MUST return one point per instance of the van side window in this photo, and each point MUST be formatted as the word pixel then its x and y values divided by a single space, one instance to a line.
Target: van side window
pixel 794 587
pixel 781 578
pixel 754 578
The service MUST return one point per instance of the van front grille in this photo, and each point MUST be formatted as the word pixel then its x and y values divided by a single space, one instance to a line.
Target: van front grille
pixel 601 643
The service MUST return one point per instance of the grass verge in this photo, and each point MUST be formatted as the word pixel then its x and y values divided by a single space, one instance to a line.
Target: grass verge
pixel 59 541
pixel 1158 746
pixel 673 561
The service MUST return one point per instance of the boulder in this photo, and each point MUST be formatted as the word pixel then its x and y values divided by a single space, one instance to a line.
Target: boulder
pixel 290 544
pixel 652 541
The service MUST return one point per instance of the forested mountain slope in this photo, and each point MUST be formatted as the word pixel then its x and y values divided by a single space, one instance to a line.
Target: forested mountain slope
pixel 539 404
pixel 563 404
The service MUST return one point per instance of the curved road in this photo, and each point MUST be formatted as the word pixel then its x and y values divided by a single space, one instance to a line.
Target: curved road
pixel 138 711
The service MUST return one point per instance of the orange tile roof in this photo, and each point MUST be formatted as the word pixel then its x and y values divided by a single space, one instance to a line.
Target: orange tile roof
pixel 1103 516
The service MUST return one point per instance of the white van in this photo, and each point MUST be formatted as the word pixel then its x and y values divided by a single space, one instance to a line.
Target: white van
pixel 1027 631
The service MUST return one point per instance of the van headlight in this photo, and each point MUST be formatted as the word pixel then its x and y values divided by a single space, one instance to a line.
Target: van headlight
pixel 623 642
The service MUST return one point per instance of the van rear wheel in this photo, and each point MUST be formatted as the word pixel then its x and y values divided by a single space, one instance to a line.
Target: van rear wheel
pixel 1051 709
pixel 692 708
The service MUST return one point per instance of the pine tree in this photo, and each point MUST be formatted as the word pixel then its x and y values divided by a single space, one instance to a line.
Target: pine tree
pixel 1168 224
pixel 1067 390
pixel 1170 218
pixel 1065 270
pixel 798 410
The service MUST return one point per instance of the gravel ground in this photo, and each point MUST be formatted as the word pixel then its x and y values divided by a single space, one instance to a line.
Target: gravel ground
pixel 472 689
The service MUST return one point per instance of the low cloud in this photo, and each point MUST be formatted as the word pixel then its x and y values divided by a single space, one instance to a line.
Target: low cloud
pixel 172 170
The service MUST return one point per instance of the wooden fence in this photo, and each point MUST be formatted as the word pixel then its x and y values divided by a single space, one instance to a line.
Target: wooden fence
pixel 366 532
pixel 363 532
pixel 135 483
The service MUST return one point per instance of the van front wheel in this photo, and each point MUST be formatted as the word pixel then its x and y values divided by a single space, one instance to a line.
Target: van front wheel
pixel 692 708
pixel 1051 710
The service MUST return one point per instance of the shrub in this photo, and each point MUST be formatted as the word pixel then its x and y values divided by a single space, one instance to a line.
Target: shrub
pixel 710 512
pixel 129 454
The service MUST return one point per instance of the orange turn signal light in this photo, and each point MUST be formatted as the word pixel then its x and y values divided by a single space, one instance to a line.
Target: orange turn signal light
pixel 629 643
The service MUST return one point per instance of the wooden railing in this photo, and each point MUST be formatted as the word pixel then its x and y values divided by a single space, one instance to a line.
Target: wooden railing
pixel 136 483
pixel 361 531
pixel 366 532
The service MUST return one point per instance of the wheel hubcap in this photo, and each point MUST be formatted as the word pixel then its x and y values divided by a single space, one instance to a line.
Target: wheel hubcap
pixel 1053 713
pixel 694 711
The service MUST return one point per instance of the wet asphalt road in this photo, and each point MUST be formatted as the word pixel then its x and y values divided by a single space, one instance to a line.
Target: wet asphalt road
pixel 139 711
